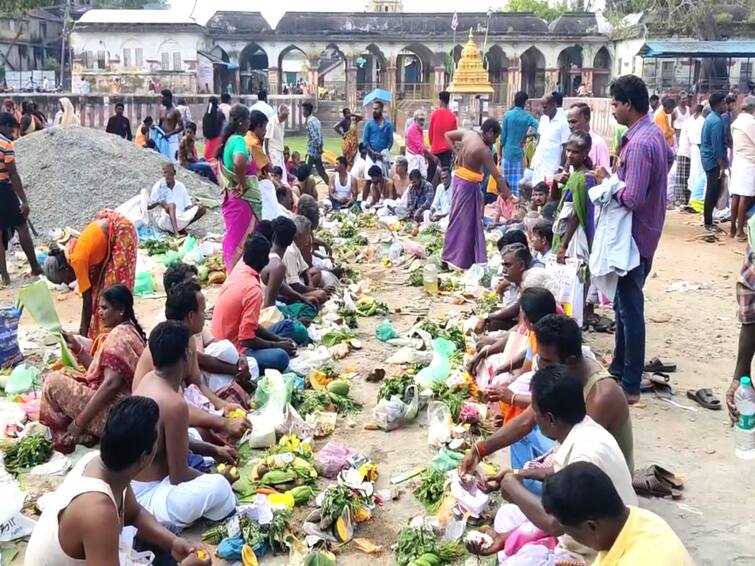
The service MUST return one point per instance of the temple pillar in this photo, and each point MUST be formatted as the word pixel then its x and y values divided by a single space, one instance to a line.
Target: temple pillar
pixel 440 78
pixel 514 83
pixel 351 83
pixel 390 80
pixel 313 76
pixel 587 78
pixel 551 80
pixel 273 80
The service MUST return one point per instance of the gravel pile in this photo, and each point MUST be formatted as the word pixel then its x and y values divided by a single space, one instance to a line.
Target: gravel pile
pixel 70 173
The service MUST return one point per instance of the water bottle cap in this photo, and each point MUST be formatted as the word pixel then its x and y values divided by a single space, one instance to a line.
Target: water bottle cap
pixel 745 381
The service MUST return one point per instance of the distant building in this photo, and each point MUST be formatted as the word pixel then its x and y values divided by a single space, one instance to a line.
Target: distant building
pixel 29 43
pixel 385 6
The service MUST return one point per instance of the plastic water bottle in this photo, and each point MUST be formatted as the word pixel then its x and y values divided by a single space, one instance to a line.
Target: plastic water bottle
pixel 744 430
pixel 430 278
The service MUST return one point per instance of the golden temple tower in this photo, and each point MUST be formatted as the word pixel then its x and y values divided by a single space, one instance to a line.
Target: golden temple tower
pixel 470 77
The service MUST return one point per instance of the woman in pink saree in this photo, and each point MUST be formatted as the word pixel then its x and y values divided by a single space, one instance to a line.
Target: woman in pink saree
pixel 242 201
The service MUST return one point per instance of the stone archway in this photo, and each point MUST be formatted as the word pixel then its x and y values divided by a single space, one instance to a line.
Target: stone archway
pixel 331 76
pixel 293 68
pixel 497 65
pixel 222 76
pixel 533 72
pixel 253 66
pixel 569 70
pixel 371 67
pixel 414 71
pixel 601 72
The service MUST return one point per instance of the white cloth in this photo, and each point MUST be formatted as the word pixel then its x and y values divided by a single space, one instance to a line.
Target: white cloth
pixel 696 130
pixel 136 209
pixel 614 251
pixel 225 109
pixel 271 209
pixel 442 200
pixel 225 351
pixel 342 191
pixel 174 142
pixel 263 107
pixel 183 219
pixel 553 135
pixel 278 160
pixel 384 164
pixel 275 133
pixel 207 496
pixel 685 142
pixel 742 177
pixel 358 168
pixel 417 161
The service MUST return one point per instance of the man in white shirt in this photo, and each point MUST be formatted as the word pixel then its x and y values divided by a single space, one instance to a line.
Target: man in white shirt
pixel 684 154
pixel 176 208
pixel 554 132
pixel 276 130
pixel 681 113
pixel 559 406
pixel 441 206
pixel 262 105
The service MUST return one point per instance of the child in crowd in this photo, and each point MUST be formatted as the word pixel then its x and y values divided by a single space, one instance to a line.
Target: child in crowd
pixel 189 158
pixel 305 184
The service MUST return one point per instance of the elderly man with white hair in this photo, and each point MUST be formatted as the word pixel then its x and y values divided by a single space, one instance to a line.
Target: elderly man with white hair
pixel 417 153
pixel 742 184
pixel 276 130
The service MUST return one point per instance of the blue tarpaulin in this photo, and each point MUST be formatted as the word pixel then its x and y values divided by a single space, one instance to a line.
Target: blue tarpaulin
pixel 378 94
pixel 688 48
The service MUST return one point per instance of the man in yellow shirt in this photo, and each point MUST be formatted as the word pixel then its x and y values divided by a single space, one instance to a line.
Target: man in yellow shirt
pixel 662 118
pixel 584 500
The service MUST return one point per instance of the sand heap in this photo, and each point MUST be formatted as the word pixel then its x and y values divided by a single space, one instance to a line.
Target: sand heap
pixel 70 173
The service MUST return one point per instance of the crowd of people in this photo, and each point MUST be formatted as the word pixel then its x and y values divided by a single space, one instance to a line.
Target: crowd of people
pixel 565 205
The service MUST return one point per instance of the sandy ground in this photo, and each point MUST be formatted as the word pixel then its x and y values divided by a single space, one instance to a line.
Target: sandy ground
pixel 697 329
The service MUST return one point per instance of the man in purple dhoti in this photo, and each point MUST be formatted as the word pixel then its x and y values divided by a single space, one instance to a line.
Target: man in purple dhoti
pixel 464 243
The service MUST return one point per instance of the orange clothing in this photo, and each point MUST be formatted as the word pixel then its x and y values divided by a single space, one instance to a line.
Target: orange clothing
pixel 254 145
pixel 7 156
pixel 91 250
pixel 141 139
pixel 663 121
pixel 237 310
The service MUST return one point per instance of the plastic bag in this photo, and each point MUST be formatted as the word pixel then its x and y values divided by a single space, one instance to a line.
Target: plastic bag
pixel 22 380
pixel 389 414
pixel 385 331
pixel 439 424
pixel 144 284
pixel 274 386
pixel 10 353
pixel 13 523
pixel 332 458
pixel 446 460
pixel 436 372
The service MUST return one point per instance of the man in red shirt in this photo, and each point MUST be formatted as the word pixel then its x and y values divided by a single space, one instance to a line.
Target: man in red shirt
pixel 237 311
pixel 442 120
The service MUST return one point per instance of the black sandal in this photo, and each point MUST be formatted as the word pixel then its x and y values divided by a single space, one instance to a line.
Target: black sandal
pixel 705 398
pixel 657 365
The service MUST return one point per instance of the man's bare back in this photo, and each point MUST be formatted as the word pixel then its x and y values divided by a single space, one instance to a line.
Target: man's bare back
pixel 472 152
pixel 173 413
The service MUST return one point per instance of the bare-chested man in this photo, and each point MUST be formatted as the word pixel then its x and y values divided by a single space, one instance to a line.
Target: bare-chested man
pixel 186 304
pixel 172 124
pixel 400 177
pixel 168 488
pixel 465 239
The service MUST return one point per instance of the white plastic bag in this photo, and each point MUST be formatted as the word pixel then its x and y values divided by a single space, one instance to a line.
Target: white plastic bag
pixel 439 424
pixel 13 524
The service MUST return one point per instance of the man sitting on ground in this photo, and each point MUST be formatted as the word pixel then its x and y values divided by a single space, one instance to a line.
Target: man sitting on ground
pixel 559 408
pixel 305 183
pixel 585 501
pixel 420 197
pixel 168 488
pixel 237 311
pixel 188 156
pixel 300 276
pixel 441 206
pixel 380 186
pixel 559 341
pixel 176 208
pixel 343 186
pixel 274 274
pixel 400 179
pixel 82 522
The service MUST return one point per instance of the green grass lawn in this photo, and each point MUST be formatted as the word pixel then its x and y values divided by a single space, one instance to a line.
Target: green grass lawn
pixel 298 142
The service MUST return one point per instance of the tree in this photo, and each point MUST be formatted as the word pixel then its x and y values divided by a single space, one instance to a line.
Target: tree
pixel 18 7
pixel 541 8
